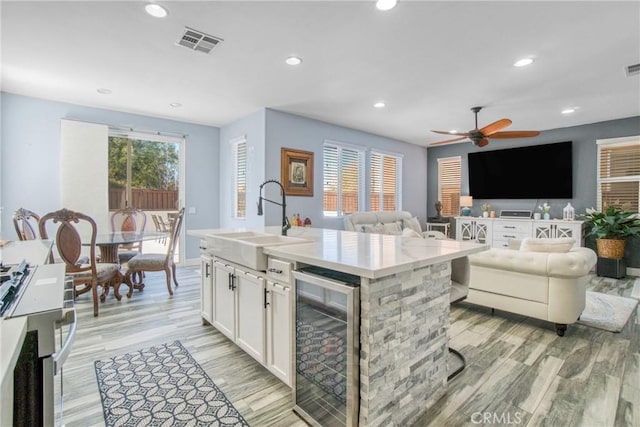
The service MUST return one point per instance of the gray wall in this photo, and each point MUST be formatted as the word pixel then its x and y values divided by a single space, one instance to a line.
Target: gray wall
pixel 584 164
pixel 584 169
pixel 30 158
pixel 252 128
pixel 291 131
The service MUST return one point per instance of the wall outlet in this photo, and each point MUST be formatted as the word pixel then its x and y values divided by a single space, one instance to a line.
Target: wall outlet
pixel 192 209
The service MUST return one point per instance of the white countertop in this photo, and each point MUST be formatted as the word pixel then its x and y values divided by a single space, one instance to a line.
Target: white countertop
pixel 362 254
pixel 12 331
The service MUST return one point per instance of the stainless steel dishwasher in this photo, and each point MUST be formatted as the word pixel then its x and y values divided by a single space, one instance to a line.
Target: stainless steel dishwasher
pixel 327 347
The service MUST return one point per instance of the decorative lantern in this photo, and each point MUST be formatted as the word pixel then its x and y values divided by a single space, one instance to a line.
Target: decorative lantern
pixel 568 213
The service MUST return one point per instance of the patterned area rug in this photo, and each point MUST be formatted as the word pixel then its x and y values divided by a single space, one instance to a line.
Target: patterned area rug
pixel 161 386
pixel 608 312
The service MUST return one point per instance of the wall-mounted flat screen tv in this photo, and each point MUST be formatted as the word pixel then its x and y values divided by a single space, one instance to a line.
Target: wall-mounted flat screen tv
pixel 532 172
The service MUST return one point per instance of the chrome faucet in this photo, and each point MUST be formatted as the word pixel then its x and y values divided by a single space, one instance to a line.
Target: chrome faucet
pixel 285 221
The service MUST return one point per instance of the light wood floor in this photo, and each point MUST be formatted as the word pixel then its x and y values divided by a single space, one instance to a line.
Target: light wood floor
pixel 519 371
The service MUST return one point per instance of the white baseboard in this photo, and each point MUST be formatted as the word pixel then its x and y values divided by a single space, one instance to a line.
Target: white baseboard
pixel 191 262
pixel 631 271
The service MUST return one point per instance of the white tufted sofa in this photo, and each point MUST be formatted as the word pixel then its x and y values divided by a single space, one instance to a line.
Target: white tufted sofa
pixel 544 285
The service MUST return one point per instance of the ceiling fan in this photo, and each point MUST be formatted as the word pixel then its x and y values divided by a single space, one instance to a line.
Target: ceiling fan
pixel 480 137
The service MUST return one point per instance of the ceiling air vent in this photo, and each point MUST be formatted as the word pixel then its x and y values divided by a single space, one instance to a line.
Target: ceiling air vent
pixel 632 70
pixel 197 40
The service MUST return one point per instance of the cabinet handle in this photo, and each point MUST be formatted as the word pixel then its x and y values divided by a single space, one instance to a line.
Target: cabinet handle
pixel 233 282
pixel 506 235
pixel 274 270
pixel 266 303
pixel 203 247
pixel 206 270
pixel 509 226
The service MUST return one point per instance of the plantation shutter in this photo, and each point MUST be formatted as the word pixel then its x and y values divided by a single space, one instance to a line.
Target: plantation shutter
pixel 449 183
pixel 619 175
pixel 384 182
pixel 341 180
pixel 240 190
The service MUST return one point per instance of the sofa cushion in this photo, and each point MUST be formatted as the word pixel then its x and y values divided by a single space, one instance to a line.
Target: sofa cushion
pixel 373 228
pixel 413 224
pixel 393 228
pixel 561 245
pixel 409 232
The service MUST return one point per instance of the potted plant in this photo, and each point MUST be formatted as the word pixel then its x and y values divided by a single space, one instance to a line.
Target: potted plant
pixel 611 228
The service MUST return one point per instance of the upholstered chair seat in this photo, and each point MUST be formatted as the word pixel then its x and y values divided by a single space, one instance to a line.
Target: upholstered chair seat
pixel 147 261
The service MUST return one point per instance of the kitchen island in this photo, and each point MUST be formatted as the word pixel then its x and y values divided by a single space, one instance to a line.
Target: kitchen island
pixel 404 311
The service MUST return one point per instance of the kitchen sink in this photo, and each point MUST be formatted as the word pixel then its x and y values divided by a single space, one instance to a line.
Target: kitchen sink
pixel 247 247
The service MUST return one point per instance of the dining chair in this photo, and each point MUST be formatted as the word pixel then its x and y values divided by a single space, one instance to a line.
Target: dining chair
pixel 160 228
pixel 132 220
pixel 68 242
pixel 157 262
pixel 26 224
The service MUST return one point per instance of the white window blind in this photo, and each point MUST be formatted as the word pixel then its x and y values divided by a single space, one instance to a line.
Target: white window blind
pixel 449 183
pixel 240 178
pixel 342 179
pixel 384 180
pixel 619 173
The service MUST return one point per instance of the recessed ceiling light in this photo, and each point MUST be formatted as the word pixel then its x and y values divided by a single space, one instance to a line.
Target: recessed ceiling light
pixel 156 10
pixel 175 104
pixel 568 110
pixel 293 60
pixel 523 62
pixel 104 91
pixel 379 104
pixel 386 4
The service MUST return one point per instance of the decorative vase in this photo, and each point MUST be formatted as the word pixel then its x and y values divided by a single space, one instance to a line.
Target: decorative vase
pixel 546 215
pixel 610 248
pixel 485 214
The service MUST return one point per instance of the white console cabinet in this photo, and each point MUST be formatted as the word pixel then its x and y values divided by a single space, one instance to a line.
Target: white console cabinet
pixel 498 231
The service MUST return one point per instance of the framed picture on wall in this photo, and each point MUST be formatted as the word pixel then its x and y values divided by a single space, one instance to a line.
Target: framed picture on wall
pixel 297 172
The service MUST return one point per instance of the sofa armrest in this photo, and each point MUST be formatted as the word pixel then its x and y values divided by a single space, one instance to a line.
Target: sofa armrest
pixel 575 263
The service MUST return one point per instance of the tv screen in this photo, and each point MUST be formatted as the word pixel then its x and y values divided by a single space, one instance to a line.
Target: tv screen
pixel 533 172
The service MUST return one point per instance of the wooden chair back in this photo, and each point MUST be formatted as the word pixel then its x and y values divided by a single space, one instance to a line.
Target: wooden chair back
pixel 129 219
pixel 68 240
pixel 175 236
pixel 26 224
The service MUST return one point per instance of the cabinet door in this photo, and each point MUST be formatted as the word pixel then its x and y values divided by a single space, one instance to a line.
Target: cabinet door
pixel 465 229
pixel 224 301
pixel 206 289
pixel 250 293
pixel 279 331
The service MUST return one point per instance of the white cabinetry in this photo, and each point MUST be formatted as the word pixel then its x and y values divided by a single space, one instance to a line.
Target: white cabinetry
pixel 206 289
pixel 279 320
pixel 498 231
pixel 238 307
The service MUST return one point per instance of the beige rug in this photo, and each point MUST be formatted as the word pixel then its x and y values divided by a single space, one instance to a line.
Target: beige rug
pixel 608 312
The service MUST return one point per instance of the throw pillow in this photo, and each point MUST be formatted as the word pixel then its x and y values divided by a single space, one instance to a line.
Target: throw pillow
pixel 560 245
pixel 392 228
pixel 377 228
pixel 408 232
pixel 413 224
pixel 515 244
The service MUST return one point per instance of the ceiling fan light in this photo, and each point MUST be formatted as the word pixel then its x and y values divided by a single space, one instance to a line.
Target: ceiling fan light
pixel 156 10
pixel 386 4
pixel 523 62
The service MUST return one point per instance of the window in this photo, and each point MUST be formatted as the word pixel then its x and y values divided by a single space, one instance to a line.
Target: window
pixel 342 179
pixel 449 179
pixel 239 177
pixel 385 182
pixel 619 173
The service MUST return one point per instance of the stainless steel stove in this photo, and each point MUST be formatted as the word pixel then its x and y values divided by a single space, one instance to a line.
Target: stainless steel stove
pixel 44 296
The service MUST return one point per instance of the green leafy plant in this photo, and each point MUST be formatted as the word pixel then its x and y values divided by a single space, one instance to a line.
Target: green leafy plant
pixel 613 223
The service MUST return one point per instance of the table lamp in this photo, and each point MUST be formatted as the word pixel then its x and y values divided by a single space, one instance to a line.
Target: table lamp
pixel 466 202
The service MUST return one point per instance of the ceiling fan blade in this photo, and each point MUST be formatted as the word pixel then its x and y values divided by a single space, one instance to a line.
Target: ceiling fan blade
pixel 448 141
pixel 450 133
pixel 495 127
pixel 483 142
pixel 515 134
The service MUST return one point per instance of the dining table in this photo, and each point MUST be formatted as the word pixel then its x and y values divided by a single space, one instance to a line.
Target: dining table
pixel 108 243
